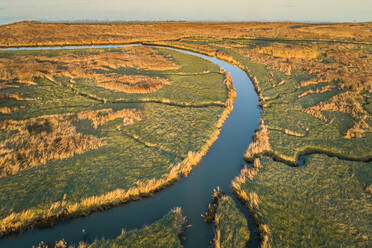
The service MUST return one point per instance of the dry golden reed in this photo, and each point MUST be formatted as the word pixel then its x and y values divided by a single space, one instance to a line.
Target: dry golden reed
pixel 260 143
pixel 132 83
pixel 38 140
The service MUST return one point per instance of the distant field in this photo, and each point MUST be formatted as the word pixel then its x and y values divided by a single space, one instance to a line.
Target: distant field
pixel 47 34
pixel 71 144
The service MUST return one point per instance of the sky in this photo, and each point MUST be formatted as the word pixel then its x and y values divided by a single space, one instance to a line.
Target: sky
pixel 186 10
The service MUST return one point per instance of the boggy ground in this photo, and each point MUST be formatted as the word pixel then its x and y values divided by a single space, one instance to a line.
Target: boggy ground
pixel 71 145
pixel 314 84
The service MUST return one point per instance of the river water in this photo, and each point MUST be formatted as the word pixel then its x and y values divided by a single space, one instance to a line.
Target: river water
pixel 222 163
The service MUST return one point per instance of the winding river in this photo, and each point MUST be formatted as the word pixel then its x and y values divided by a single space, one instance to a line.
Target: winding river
pixel 222 163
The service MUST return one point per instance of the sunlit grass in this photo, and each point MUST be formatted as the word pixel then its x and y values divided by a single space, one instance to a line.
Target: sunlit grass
pixel 324 203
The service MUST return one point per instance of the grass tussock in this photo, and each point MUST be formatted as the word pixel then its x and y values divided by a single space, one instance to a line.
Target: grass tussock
pixel 369 189
pixel 317 91
pixel 264 233
pixel 289 51
pixel 260 143
pixel 7 110
pixel 103 116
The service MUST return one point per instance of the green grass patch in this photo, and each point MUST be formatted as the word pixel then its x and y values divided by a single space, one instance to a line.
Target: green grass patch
pixel 321 204
pixel 231 225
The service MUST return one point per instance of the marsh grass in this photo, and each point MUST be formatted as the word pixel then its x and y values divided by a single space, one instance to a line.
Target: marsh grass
pixel 163 176
pixel 290 131
pixel 293 67
pixel 324 203
pixel 319 207
pixel 23 69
